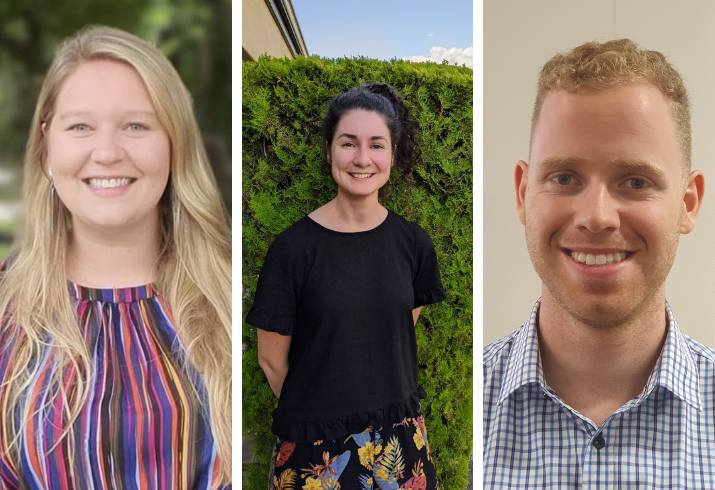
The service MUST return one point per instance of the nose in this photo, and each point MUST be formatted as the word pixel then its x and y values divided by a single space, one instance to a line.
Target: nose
pixel 596 209
pixel 107 149
pixel 362 156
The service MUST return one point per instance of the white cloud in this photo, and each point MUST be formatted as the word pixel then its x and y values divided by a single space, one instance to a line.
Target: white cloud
pixel 452 55
pixel 430 34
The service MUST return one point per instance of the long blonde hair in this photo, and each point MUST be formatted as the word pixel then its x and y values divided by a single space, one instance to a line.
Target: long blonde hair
pixel 194 269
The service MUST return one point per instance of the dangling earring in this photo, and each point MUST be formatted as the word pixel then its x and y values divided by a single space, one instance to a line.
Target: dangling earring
pixel 175 208
pixel 51 204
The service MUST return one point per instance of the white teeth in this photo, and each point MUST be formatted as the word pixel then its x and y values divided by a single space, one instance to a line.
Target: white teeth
pixel 361 176
pixel 109 183
pixel 598 260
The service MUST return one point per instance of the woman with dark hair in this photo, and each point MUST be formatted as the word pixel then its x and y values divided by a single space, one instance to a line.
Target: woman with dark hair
pixel 335 308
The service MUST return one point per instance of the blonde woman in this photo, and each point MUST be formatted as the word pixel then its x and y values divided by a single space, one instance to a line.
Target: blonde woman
pixel 115 347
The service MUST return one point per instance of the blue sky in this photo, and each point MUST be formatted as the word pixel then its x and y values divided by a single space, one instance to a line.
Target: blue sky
pixel 385 29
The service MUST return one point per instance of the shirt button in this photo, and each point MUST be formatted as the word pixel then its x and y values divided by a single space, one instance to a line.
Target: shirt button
pixel 599 443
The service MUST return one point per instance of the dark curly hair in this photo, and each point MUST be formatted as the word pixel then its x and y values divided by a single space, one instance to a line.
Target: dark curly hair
pixel 386 101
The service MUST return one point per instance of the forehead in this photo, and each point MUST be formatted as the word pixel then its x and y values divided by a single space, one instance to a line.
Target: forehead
pixel 103 84
pixel 631 123
pixel 358 121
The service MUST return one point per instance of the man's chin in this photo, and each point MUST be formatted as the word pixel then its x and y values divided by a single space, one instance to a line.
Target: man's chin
pixel 602 315
pixel 598 311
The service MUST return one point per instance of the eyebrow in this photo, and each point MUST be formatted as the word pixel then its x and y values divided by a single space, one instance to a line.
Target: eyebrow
pixel 69 114
pixel 352 136
pixel 559 163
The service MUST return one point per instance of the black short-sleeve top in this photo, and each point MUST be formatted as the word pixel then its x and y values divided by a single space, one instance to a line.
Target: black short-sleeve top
pixel 346 299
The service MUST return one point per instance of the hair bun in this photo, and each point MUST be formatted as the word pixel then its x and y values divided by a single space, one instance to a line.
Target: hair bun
pixel 386 91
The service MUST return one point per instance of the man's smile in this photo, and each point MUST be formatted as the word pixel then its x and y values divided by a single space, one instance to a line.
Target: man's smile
pixel 595 259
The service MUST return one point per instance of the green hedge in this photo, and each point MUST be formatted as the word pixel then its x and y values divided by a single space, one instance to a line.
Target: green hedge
pixel 285 176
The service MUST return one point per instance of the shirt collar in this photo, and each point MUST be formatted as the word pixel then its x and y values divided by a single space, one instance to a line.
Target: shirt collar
pixel 675 370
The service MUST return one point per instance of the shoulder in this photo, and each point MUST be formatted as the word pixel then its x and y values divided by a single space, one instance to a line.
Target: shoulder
pixel 292 250
pixel 6 263
pixel 409 228
pixel 496 368
pixel 703 363
pixel 497 353
pixel 294 236
pixel 401 222
pixel 7 330
pixel 701 353
pixel 5 266
pixel 299 229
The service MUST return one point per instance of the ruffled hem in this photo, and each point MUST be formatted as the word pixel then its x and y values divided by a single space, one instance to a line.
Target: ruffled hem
pixel 334 428
pixel 270 320
pixel 430 296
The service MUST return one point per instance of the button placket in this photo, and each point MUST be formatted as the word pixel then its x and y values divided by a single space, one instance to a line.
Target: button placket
pixel 597 464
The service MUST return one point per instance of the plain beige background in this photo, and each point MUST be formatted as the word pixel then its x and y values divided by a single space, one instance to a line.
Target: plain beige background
pixel 519 37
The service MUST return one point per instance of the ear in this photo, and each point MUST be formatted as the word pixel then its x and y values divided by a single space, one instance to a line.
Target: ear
pixel 521 179
pixel 692 200
pixel 43 128
pixel 327 152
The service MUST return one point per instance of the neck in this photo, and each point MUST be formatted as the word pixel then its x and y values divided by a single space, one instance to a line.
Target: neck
pixel 597 370
pixel 102 260
pixel 357 214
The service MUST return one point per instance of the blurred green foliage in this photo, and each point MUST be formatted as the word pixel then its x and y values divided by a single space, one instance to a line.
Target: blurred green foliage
pixel 194 34
pixel 6 228
pixel 285 176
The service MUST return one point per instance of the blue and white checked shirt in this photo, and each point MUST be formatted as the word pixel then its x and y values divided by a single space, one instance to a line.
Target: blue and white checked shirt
pixel 662 439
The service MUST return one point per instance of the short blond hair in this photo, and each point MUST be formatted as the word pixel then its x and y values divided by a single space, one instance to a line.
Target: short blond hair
pixel 600 66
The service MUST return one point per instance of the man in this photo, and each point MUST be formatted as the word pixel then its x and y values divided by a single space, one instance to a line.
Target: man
pixel 600 389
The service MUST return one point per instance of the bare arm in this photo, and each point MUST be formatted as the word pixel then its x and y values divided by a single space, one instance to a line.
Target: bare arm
pixel 273 358
pixel 416 314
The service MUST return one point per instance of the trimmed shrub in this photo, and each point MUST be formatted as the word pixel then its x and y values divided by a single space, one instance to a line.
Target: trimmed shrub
pixel 285 176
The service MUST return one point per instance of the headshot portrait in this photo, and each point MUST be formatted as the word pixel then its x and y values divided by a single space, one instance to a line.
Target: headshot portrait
pixel 115 346
pixel 597 148
pixel 357 228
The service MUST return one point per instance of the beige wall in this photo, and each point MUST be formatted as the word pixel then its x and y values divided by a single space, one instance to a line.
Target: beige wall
pixel 519 37
pixel 260 32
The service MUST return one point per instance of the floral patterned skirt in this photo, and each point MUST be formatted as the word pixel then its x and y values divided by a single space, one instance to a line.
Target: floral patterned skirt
pixel 388 458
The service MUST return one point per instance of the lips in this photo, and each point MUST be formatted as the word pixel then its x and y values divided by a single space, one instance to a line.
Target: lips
pixel 595 258
pixel 108 183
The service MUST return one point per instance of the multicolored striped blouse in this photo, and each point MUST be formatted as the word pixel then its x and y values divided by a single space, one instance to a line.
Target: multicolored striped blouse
pixel 141 427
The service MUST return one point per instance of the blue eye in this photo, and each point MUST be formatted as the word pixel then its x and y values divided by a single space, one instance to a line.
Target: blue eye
pixel 563 179
pixel 79 127
pixel 637 183
pixel 136 127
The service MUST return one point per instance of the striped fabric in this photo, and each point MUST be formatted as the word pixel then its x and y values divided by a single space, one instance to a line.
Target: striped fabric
pixel 662 439
pixel 142 426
